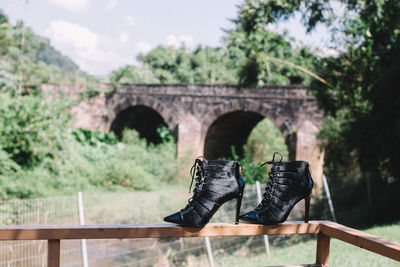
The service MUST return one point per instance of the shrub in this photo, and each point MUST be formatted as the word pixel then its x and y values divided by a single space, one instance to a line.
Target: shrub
pixel 30 129
pixel 40 156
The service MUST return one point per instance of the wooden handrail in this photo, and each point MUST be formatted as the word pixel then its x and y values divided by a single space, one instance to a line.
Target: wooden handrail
pixel 152 231
pixel 361 239
pixel 324 229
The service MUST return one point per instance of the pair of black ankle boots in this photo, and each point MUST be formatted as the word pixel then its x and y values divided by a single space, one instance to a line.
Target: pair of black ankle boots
pixel 218 181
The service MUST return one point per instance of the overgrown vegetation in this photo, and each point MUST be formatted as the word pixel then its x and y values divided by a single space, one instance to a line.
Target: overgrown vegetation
pixel 38 61
pixel 235 63
pixel 361 134
pixel 263 141
pixel 41 156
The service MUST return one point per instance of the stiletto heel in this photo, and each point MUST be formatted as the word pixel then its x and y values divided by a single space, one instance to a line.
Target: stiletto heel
pixel 306 208
pixel 238 205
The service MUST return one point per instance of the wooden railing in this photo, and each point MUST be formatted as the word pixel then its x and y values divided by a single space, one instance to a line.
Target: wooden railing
pixel 324 230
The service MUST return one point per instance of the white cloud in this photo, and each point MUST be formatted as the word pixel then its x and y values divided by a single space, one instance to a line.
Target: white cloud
pixel 130 21
pixel 124 37
pixel 84 47
pixel 178 40
pixel 71 5
pixel 144 47
pixel 72 34
pixel 111 4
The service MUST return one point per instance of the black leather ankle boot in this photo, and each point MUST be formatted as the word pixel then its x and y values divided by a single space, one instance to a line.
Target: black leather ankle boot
pixel 217 181
pixel 289 182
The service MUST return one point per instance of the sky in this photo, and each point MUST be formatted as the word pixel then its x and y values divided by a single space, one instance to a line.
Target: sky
pixel 103 35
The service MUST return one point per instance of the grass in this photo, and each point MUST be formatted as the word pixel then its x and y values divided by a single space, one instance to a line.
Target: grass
pixel 341 253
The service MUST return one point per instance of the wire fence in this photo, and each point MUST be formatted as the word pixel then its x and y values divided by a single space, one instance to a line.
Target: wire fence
pixel 118 208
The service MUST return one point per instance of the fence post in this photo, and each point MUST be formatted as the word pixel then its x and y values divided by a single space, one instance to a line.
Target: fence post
pixel 259 198
pixel 328 195
pixel 323 244
pixel 209 251
pixel 53 253
pixel 82 222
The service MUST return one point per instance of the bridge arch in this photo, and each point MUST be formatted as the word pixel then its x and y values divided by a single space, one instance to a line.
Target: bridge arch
pixel 143 115
pixel 230 129
pixel 166 113
pixel 231 124
pixel 263 109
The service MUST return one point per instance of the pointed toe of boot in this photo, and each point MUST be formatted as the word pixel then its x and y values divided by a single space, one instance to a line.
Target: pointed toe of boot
pixel 174 218
pixel 250 216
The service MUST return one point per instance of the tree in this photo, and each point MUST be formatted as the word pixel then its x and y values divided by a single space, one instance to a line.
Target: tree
pixel 360 78
pixel 360 92
pixel 265 57
pixel 133 74
pixel 262 57
pixel 180 65
pixel 42 63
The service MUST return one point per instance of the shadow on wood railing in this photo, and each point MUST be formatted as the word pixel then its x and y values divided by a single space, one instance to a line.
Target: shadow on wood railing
pixel 324 230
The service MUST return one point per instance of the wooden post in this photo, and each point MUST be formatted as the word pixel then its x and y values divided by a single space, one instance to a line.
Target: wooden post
pixel 323 244
pixel 53 253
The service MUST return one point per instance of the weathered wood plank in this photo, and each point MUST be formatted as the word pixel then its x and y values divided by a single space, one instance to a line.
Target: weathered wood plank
pixel 325 229
pixel 53 253
pixel 323 245
pixel 152 231
pixel 361 239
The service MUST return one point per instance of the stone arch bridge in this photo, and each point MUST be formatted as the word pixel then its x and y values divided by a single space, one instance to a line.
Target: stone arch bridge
pixel 205 119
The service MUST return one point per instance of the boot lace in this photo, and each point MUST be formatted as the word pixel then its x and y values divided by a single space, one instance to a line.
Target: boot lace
pixel 271 181
pixel 197 172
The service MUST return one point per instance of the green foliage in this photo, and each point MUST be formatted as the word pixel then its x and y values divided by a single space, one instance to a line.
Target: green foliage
pixel 50 56
pixel 7 165
pixel 243 55
pixel 254 54
pixel 131 164
pixel 171 65
pixel 263 141
pixel 361 134
pixel 40 156
pixel 94 138
pixel 30 128
pixel 363 83
pixel 251 171
pixel 361 79
pixel 8 79
pixel 41 62
pixel 90 92
pixel 132 74
pixel 165 133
